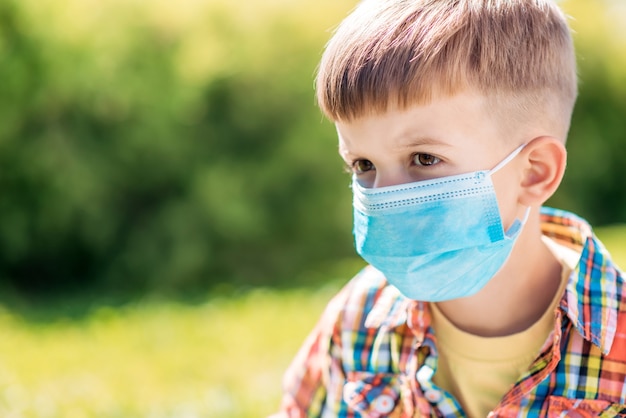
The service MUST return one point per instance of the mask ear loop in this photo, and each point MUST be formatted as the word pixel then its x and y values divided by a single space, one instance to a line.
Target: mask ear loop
pixel 507 159
pixel 517 225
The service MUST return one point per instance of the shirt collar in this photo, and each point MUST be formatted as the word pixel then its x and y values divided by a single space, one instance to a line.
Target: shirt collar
pixel 593 293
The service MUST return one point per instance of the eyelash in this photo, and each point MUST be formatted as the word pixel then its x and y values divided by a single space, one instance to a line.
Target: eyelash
pixel 352 166
pixel 417 155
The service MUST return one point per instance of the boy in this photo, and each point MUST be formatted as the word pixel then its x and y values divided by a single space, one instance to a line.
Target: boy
pixel 452 116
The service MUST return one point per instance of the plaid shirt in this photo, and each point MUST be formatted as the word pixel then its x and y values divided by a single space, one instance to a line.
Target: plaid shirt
pixel 374 352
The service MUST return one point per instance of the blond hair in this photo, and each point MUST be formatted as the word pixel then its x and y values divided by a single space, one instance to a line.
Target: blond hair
pixel 398 53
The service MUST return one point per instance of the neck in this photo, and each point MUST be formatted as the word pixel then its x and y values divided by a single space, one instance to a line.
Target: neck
pixel 517 296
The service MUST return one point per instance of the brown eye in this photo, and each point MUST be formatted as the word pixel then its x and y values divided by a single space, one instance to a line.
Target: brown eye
pixel 362 166
pixel 425 159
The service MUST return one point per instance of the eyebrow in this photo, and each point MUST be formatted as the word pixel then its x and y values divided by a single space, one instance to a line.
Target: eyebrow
pixel 424 140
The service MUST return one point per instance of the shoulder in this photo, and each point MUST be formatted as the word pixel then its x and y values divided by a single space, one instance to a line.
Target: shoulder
pixel 363 321
pixel 617 347
pixel 366 301
pixel 594 300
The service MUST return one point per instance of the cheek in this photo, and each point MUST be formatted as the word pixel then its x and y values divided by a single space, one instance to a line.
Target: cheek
pixel 507 192
pixel 367 180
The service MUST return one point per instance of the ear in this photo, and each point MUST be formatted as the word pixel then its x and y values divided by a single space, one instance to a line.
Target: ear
pixel 545 160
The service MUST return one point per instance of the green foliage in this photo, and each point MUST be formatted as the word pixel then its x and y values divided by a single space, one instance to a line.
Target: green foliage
pixel 145 146
pixel 174 146
pixel 594 181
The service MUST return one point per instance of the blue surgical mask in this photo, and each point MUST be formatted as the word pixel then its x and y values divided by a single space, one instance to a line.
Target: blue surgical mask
pixel 438 239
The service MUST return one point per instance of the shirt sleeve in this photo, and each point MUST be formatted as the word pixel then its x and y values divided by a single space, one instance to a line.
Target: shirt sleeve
pixel 313 383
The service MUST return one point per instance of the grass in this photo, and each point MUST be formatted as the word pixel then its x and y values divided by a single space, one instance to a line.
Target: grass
pixel 159 359
pixel 224 358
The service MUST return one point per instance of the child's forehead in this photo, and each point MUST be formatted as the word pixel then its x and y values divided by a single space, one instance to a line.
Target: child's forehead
pixel 456 121
pixel 435 94
pixel 432 109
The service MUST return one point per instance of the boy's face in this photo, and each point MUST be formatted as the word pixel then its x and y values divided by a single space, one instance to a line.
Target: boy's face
pixel 449 136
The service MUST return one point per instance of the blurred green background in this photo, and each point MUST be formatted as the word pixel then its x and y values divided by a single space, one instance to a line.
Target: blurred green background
pixel 163 164
pixel 172 147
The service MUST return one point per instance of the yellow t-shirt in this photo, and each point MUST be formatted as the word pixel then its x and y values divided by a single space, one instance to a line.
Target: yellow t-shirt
pixel 478 371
